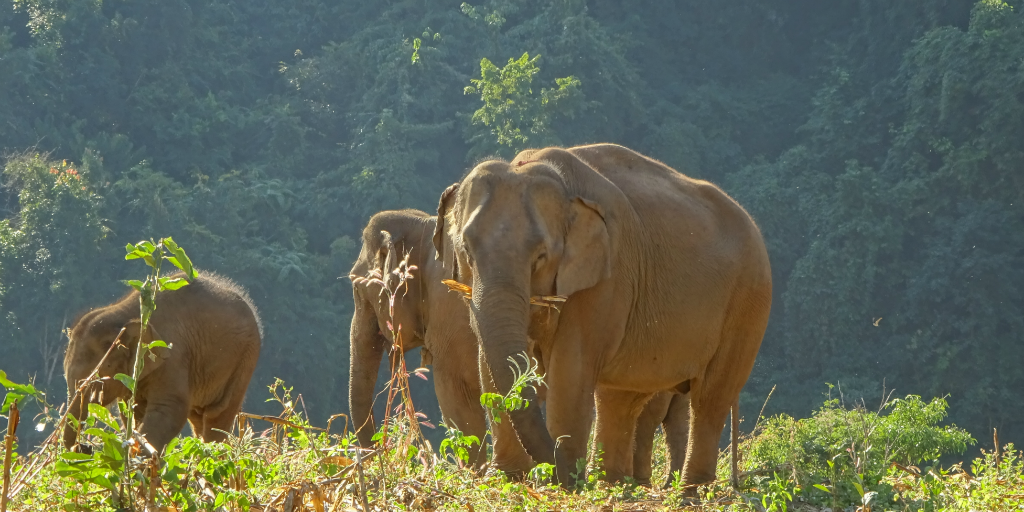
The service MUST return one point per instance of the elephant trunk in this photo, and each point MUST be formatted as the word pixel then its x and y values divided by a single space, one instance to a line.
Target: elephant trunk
pixel 501 319
pixel 366 348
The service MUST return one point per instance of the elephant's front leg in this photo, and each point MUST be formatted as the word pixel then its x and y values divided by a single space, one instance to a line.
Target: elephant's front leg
pixel 458 394
pixel 570 411
pixel 164 418
pixel 617 413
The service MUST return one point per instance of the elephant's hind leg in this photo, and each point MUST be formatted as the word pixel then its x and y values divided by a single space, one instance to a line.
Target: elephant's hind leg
pixel 220 415
pixel 617 413
pixel 677 433
pixel 646 426
pixel 712 395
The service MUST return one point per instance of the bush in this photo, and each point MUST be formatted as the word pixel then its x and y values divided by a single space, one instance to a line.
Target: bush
pixel 842 453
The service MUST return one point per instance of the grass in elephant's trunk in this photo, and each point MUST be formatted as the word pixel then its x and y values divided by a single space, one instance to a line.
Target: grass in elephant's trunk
pixel 548 301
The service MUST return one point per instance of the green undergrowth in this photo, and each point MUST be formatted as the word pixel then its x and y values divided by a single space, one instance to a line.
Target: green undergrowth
pixel 843 455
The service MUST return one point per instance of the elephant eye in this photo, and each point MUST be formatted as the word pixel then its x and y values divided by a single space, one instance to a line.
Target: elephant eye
pixel 539 261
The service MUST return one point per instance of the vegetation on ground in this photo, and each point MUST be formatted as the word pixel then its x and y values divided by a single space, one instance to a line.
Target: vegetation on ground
pixel 840 456
pixel 876 144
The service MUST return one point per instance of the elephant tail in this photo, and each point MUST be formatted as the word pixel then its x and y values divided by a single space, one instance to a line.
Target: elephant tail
pixel 734 439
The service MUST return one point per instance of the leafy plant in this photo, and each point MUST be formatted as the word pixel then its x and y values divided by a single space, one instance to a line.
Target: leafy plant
pixel 846 453
pixel 525 376
pixel 457 445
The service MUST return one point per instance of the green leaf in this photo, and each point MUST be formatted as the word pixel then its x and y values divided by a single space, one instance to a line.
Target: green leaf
pixel 822 487
pixel 21 388
pixel 72 456
pixel 64 469
pixel 158 344
pixel 221 498
pixel 126 380
pixel 134 283
pixel 103 482
pixel 172 283
pixel 860 489
pixel 180 259
pixel 102 414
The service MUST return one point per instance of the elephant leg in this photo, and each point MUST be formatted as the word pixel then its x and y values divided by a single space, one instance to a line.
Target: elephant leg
pixel 712 396
pixel 617 413
pixel 570 411
pixel 195 420
pixel 214 425
pixel 458 394
pixel 165 417
pixel 509 454
pixel 646 426
pixel 676 426
pixel 221 415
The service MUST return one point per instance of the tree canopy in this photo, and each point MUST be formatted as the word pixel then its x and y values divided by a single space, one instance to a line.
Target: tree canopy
pixel 877 144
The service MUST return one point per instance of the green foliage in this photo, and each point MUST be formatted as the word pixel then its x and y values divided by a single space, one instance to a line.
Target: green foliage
pixel 18 394
pixel 514 114
pixel 457 445
pixel 844 453
pixel 778 494
pixel 525 376
pixel 875 143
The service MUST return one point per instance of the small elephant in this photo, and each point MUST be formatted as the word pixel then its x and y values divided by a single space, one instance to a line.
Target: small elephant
pixel 212 332
pixel 431 316
pixel 668 286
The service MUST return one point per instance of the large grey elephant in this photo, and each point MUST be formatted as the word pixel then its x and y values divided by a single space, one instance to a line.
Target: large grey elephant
pixel 668 286
pixel 213 335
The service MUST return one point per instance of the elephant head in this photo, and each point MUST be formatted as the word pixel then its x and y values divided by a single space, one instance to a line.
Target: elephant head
pixel 518 230
pixel 105 340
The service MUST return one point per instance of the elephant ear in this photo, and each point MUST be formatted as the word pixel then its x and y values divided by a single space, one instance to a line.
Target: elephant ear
pixel 156 356
pixel 586 257
pixel 443 207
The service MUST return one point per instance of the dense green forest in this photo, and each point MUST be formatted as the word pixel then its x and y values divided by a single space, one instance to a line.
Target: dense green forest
pixel 879 145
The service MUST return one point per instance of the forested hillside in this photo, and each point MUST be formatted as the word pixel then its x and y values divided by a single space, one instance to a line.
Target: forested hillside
pixel 879 145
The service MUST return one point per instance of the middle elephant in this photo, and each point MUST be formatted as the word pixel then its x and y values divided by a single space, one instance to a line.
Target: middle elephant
pixel 429 316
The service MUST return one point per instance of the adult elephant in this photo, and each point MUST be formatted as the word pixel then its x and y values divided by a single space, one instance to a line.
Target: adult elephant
pixel 430 316
pixel 668 286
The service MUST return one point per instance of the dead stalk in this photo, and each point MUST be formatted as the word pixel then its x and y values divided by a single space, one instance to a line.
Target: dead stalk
pixel 735 441
pixel 362 481
pixel 995 441
pixel 12 428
